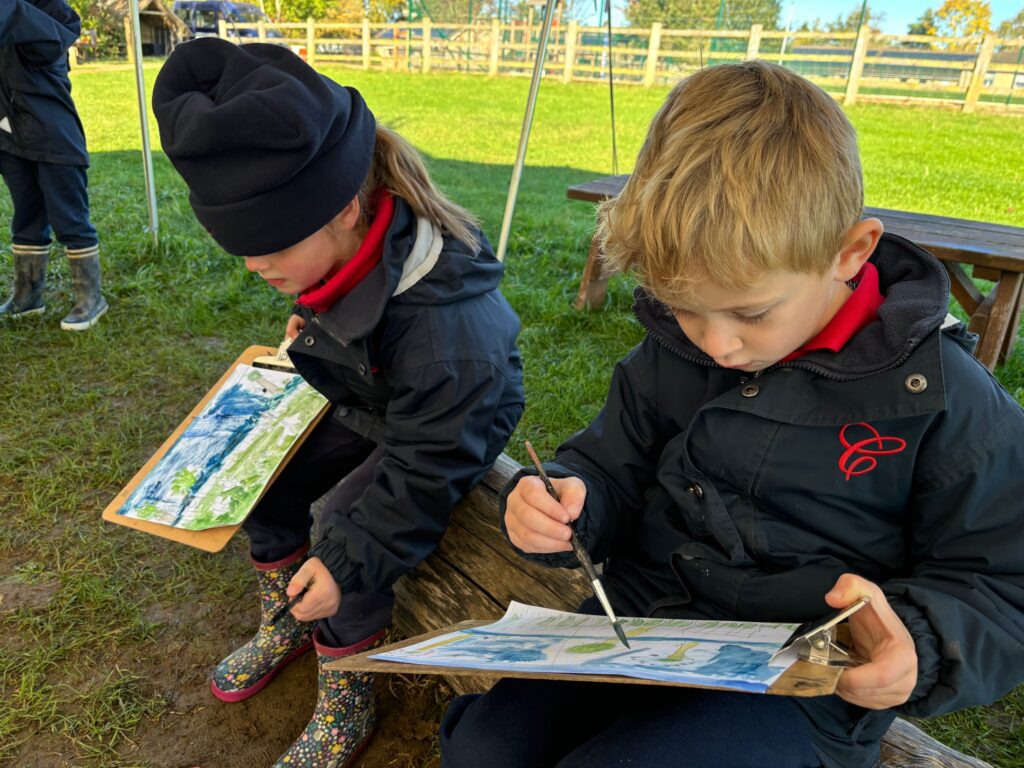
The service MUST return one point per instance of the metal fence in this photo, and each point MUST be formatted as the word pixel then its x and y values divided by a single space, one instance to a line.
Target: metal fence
pixel 970 73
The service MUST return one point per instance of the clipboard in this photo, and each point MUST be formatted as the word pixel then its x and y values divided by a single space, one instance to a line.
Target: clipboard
pixel 827 641
pixel 211 539
pixel 802 678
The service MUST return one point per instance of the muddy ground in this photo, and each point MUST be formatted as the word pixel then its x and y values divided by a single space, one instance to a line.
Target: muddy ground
pixel 196 730
pixel 201 731
pixel 204 732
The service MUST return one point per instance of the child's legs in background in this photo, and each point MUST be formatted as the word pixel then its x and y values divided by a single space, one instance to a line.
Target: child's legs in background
pixel 546 723
pixel 280 523
pixel 65 190
pixel 29 225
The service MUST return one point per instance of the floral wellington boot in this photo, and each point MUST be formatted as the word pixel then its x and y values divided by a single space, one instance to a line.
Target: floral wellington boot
pixel 248 670
pixel 344 716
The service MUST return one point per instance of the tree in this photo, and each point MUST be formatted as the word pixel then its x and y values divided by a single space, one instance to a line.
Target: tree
pixel 105 20
pixel 297 10
pixel 964 18
pixel 1012 28
pixel 704 14
pixel 377 11
pixel 927 24
pixel 451 11
pixel 851 21
pixel 581 9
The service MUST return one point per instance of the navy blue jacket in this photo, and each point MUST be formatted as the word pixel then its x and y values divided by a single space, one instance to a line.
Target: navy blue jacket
pixel 713 493
pixel 38 120
pixel 432 374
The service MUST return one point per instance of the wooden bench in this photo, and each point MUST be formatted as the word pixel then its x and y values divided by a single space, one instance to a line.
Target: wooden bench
pixel 995 253
pixel 474 574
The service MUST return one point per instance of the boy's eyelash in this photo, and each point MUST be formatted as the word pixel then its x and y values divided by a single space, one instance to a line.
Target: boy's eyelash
pixel 753 319
pixel 748 319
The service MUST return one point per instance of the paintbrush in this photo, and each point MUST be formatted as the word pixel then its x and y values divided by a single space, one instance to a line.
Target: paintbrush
pixel 580 552
pixel 289 605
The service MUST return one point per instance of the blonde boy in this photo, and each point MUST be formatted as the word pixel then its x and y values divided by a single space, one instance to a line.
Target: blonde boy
pixel 796 431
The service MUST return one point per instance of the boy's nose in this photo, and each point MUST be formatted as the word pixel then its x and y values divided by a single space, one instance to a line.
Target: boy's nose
pixel 255 263
pixel 720 341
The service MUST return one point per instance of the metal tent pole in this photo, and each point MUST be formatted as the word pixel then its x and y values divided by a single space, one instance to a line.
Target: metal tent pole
pixel 524 136
pixel 140 88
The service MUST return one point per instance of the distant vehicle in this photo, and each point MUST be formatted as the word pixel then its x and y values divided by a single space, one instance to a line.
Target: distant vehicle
pixel 201 16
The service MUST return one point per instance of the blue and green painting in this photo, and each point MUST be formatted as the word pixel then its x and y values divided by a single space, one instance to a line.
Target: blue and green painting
pixel 218 467
pixel 719 654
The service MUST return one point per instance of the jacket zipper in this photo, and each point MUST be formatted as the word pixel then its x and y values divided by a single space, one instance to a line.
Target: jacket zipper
pixel 322 327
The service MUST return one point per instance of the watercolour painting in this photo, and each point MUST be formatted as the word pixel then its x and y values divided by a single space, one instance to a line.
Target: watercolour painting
pixel 218 467
pixel 719 654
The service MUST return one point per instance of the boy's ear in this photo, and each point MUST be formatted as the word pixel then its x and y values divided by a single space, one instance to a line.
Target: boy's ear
pixel 858 245
pixel 348 217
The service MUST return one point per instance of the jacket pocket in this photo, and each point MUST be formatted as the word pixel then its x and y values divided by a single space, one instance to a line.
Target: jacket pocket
pixel 710 581
pixel 27 130
pixel 361 422
pixel 792 592
pixel 6 110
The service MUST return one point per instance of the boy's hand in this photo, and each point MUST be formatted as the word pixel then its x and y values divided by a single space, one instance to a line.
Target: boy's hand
pixel 535 521
pixel 294 327
pixel 890 674
pixel 323 597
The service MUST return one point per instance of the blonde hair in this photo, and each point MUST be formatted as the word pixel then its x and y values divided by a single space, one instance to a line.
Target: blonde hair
pixel 398 167
pixel 747 169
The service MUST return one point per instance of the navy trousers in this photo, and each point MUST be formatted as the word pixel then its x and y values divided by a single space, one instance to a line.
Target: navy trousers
pixel 560 724
pixel 48 196
pixel 281 521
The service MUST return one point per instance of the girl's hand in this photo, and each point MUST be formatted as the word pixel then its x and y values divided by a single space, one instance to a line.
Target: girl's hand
pixel 323 597
pixel 538 523
pixel 295 326
pixel 890 674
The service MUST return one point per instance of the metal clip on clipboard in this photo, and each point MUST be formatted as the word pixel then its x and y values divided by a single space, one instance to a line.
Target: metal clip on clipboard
pixel 819 644
pixel 279 361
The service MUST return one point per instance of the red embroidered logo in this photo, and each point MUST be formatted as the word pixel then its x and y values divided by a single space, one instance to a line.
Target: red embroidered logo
pixel 859 457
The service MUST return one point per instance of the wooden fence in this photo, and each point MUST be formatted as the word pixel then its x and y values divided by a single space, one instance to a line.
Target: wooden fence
pixel 969 73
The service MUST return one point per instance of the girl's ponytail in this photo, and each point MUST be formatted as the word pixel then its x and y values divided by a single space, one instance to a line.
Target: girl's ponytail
pixel 398 167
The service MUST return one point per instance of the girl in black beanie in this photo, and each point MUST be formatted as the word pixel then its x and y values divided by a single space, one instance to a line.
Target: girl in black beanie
pixel 398 321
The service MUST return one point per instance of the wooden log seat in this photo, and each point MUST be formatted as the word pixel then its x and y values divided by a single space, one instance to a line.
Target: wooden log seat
pixel 474 574
pixel 994 252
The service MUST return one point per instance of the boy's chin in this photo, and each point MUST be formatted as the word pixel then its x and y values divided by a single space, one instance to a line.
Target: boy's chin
pixel 751 367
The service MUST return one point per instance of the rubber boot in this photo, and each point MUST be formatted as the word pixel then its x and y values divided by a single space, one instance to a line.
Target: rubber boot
pixel 90 306
pixel 248 670
pixel 344 716
pixel 29 279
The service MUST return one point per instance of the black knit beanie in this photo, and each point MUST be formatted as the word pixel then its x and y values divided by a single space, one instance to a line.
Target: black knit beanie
pixel 271 151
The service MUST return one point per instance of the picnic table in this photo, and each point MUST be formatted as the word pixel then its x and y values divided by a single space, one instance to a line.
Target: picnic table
pixel 994 253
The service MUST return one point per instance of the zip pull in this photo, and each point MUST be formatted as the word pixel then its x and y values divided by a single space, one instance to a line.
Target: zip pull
pixel 343 342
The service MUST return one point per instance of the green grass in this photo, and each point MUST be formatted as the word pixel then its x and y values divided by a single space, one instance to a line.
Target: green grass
pixel 82 412
pixel 922 92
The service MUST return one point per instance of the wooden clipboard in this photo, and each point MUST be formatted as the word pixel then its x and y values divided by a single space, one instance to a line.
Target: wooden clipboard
pixel 803 678
pixel 211 539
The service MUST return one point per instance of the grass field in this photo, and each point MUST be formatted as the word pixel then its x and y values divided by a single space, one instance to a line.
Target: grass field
pixel 80 413
pixel 923 92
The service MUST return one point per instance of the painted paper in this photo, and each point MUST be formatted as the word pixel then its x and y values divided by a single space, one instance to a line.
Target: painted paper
pixel 720 654
pixel 218 467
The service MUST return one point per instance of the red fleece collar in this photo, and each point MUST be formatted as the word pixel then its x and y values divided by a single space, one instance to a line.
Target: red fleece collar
pixel 368 256
pixel 857 311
